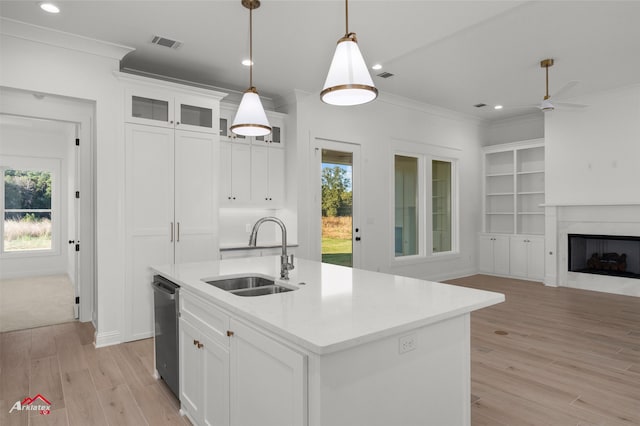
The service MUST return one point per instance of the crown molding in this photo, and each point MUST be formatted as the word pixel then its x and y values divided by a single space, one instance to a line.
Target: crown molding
pixel 22 30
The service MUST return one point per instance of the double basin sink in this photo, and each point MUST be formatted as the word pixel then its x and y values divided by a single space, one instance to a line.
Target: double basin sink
pixel 249 286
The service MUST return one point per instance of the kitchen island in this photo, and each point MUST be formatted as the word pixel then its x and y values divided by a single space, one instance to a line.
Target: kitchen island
pixel 345 347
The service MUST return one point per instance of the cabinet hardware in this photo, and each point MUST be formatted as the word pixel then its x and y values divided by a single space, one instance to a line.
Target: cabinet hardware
pixel 200 345
pixel 195 342
pixel 177 123
pixel 229 333
pixel 178 232
pixel 171 235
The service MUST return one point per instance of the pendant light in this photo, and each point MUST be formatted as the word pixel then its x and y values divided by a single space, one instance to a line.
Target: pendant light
pixel 348 82
pixel 251 120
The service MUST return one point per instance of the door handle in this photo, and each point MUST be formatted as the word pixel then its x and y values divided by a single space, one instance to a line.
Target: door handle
pixel 178 232
pixel 357 238
pixel 171 240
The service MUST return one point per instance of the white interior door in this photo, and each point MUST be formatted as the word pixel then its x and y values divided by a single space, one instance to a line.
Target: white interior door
pixel 336 227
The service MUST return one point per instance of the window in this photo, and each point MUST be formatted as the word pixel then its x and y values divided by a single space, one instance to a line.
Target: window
pixel 406 206
pixel 28 205
pixel 441 205
pixel 424 211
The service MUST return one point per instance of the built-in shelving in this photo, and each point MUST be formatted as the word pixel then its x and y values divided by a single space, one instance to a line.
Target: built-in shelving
pixel 514 188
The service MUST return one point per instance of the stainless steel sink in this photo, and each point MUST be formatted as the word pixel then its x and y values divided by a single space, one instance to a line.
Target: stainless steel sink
pixel 249 286
pixel 261 291
pixel 240 283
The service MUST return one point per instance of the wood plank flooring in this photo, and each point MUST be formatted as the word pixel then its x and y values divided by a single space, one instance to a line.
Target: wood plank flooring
pixel 85 386
pixel 570 357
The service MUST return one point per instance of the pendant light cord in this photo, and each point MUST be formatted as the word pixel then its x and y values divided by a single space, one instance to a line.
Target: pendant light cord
pixel 251 46
pixel 346 14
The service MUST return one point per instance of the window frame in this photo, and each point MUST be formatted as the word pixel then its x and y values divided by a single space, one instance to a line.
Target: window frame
pixel 48 164
pixel 425 206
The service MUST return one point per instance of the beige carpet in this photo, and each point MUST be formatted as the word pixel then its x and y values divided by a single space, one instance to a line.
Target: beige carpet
pixel 35 301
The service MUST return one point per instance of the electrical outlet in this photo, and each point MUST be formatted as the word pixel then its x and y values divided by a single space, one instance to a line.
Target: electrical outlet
pixel 406 343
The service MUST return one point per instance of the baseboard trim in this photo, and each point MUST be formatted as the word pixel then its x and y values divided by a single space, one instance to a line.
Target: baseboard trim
pixel 452 276
pixel 108 339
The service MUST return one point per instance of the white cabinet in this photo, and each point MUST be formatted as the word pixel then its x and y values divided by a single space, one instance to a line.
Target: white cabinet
pixel 252 169
pixel 526 257
pixel 231 373
pixel 267 176
pixel 170 210
pixel 494 254
pixel 267 380
pixel 164 108
pixel 235 174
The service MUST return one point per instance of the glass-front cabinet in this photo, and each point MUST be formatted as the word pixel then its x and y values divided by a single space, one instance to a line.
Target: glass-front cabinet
pixel 166 109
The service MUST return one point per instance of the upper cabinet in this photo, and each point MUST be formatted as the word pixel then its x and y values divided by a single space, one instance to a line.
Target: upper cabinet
pixel 168 109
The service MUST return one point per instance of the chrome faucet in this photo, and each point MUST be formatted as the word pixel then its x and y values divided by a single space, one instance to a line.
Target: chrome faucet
pixel 286 262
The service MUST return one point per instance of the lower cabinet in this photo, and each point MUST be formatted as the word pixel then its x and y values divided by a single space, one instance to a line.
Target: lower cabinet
pixel 239 376
pixel 526 258
pixel 204 388
pixel 494 254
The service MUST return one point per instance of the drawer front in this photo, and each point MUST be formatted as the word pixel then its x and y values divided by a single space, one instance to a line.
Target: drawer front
pixel 207 317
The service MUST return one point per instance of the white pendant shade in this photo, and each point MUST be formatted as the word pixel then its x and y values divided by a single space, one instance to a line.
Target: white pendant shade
pixel 348 82
pixel 547 105
pixel 251 119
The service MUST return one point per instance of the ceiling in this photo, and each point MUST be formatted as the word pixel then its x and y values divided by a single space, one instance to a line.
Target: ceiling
pixel 452 54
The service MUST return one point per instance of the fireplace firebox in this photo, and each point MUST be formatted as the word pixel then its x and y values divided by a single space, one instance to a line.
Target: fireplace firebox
pixel 614 255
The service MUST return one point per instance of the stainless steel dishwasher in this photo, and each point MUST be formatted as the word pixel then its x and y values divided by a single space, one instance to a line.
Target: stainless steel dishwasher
pixel 165 303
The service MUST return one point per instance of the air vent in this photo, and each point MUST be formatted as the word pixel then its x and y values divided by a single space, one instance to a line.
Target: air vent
pixel 385 74
pixel 166 42
pixel 480 105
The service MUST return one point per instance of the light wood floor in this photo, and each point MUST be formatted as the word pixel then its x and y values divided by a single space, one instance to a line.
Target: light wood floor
pixel 570 357
pixel 86 386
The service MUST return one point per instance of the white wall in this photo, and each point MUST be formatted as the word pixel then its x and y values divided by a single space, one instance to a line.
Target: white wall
pixel 380 128
pixel 22 137
pixel 593 155
pixel 513 129
pixel 40 60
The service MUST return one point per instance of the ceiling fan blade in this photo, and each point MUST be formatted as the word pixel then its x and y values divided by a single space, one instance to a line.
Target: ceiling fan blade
pixel 564 89
pixel 569 105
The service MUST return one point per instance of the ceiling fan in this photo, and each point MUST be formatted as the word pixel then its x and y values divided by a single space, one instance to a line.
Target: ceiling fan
pixel 547 104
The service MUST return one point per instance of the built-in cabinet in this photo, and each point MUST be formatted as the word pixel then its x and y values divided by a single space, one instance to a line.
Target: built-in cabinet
pixel 170 204
pixel 513 210
pixel 252 169
pixel 494 254
pixel 234 374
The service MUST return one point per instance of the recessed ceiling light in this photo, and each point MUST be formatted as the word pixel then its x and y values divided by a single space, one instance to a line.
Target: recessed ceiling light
pixel 497 107
pixel 247 62
pixel 49 7
pixel 376 67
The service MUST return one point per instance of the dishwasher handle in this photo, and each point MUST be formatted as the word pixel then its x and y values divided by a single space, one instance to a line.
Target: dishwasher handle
pixel 160 287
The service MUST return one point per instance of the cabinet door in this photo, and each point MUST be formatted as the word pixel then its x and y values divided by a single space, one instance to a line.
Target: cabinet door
pixel 518 256
pixel 501 254
pixel 535 258
pixel 260 174
pixel 267 380
pixel 191 368
pixel 196 114
pixel 485 255
pixel 276 177
pixel 195 207
pixel 149 189
pixel 215 374
pixel 150 107
pixel 240 173
pixel 226 191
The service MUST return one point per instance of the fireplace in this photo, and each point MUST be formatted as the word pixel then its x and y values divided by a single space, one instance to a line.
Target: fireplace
pixel 613 255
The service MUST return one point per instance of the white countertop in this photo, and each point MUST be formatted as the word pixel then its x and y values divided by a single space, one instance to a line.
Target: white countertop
pixel 338 307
